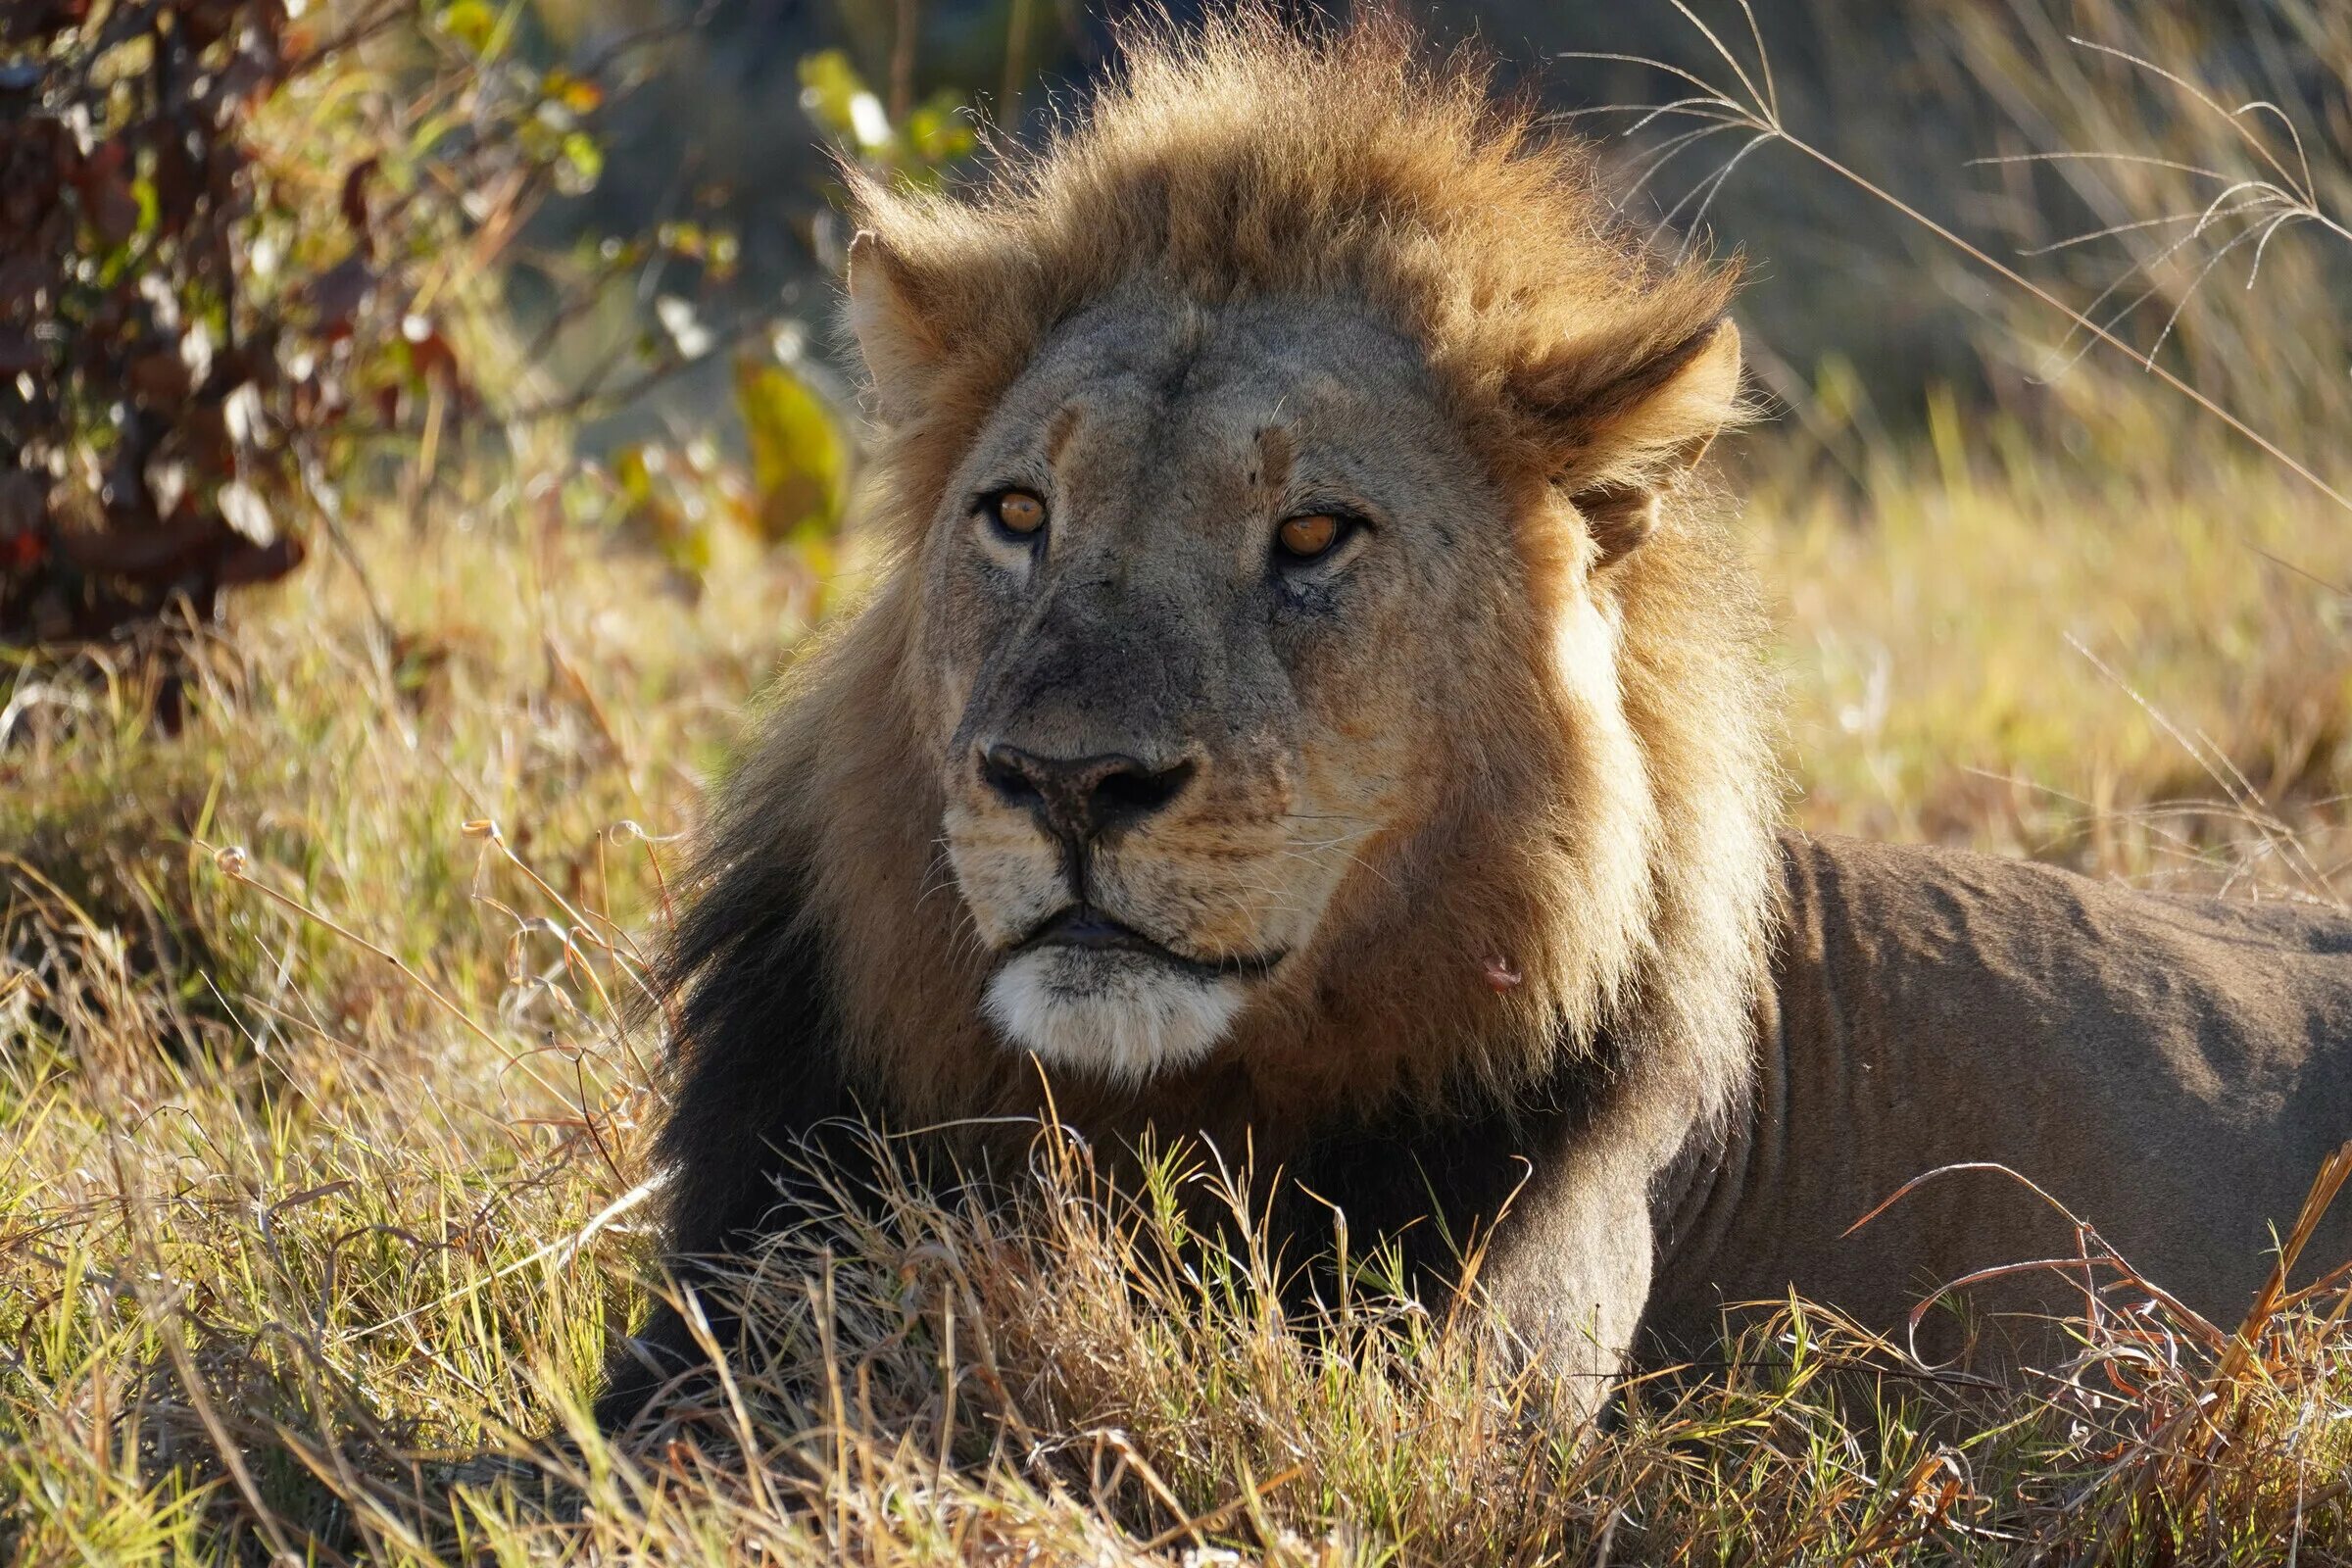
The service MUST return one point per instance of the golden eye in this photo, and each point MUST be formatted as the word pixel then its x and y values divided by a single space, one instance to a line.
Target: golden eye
pixel 1018 511
pixel 1309 537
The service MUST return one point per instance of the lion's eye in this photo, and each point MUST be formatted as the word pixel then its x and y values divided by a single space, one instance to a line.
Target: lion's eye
pixel 1310 538
pixel 1018 513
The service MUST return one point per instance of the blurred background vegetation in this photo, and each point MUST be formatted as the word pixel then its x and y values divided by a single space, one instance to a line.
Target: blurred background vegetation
pixel 1909 92
pixel 255 245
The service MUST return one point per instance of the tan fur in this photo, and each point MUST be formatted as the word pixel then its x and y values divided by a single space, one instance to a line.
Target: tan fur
pixel 1255 163
pixel 2172 1069
pixel 1470 848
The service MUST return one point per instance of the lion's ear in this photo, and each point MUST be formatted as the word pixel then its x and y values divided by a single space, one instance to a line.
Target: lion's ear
pixel 893 323
pixel 1623 422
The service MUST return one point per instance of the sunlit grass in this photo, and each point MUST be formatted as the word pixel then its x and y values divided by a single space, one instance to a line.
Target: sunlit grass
pixel 250 1156
pixel 2131 675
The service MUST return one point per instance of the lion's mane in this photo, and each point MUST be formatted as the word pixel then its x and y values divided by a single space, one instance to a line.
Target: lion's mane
pixel 826 962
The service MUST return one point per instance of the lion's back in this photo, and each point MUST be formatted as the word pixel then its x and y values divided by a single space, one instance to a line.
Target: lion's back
pixel 2174 1070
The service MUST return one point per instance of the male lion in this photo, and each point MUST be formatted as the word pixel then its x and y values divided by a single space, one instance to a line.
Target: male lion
pixel 1306 707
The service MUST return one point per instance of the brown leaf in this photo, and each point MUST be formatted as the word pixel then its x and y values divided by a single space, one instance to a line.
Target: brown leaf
pixel 208 21
pixel 159 376
pixel 114 212
pixel 430 351
pixel 355 202
pixel 105 161
pixel 339 294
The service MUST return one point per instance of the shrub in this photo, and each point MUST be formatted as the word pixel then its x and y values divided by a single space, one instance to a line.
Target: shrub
pixel 231 249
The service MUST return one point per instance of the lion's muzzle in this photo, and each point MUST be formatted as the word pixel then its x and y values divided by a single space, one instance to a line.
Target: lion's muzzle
pixel 1101 978
pixel 1078 800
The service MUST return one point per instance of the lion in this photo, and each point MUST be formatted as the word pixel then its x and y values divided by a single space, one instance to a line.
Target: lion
pixel 1313 702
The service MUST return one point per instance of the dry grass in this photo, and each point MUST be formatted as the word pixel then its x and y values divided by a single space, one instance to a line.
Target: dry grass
pixel 2143 678
pixel 309 1153
pixel 264 1195
pixel 2157 425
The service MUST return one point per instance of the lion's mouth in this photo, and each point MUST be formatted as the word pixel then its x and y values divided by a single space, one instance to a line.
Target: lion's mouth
pixel 1083 926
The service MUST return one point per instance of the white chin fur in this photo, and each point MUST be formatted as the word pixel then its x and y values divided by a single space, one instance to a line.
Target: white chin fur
pixel 1109 1014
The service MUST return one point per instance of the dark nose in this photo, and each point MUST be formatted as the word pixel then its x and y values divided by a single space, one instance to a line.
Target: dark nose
pixel 1079 798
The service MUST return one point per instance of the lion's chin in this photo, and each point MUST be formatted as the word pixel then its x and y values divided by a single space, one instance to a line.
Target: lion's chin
pixel 1113 1016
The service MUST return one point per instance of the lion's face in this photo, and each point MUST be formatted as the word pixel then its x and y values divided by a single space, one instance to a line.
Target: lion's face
pixel 1187 605
pixel 1304 681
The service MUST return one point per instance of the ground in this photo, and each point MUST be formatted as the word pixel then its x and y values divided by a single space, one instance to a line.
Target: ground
pixel 321 1086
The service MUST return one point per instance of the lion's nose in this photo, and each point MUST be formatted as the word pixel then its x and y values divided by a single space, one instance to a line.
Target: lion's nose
pixel 1079 798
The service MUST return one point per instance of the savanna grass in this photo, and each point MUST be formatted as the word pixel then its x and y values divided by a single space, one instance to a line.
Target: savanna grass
pixel 323 1088
pixel 329 1199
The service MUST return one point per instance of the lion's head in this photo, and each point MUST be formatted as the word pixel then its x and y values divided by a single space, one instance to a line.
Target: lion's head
pixel 1300 674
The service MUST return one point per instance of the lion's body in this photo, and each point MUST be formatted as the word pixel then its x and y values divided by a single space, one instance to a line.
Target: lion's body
pixel 2174 1070
pixel 1433 857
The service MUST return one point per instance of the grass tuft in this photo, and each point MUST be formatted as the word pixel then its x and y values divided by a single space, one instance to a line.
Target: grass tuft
pixel 364 1223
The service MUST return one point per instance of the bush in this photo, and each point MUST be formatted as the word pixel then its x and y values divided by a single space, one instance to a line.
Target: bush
pixel 233 249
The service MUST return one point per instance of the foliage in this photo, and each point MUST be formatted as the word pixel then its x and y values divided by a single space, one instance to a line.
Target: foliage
pixel 691 501
pixel 2224 182
pixel 2210 194
pixel 231 253
pixel 248 258
pixel 920 148
pixel 687 496
pixel 134 433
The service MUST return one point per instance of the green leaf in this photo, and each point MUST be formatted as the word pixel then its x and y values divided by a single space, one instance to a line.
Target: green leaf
pixel 586 161
pixel 142 191
pixel 470 22
pixel 799 458
pixel 939 130
pixel 633 476
pixel 830 88
pixel 687 548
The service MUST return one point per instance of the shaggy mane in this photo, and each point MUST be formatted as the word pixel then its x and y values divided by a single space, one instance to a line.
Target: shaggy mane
pixel 1251 156
pixel 1617 839
pixel 1251 159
